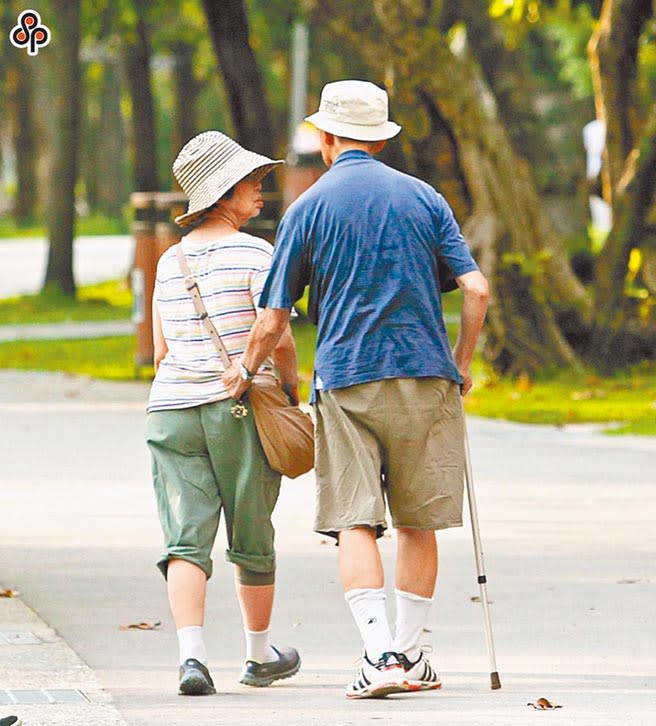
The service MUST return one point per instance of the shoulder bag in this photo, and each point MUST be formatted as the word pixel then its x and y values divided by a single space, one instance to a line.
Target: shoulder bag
pixel 285 431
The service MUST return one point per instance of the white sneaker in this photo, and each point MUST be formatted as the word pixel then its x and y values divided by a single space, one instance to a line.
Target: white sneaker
pixel 419 675
pixel 375 680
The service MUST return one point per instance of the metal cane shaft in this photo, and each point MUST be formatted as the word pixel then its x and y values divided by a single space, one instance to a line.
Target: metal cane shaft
pixel 480 566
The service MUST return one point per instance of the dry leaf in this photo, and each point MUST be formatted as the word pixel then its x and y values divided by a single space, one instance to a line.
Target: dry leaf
pixel 9 593
pixel 543 704
pixel 141 626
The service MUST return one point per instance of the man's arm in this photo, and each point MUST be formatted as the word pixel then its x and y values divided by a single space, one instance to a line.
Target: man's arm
pixel 476 293
pixel 262 340
pixel 284 358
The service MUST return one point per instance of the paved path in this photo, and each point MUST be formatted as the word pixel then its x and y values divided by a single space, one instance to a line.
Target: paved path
pixel 66 331
pixel 568 519
pixel 95 259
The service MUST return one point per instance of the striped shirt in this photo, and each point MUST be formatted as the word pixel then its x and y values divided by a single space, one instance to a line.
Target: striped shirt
pixel 230 273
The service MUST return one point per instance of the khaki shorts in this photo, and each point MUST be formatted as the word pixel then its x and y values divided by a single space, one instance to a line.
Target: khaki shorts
pixel 400 440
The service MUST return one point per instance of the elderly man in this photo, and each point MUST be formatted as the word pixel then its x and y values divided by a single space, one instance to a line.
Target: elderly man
pixel 387 387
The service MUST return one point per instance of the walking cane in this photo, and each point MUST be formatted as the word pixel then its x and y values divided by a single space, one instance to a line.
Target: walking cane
pixel 495 683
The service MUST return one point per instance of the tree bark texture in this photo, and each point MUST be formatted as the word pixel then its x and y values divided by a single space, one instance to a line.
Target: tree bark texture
pixel 613 52
pixel 628 176
pixel 228 27
pixel 21 108
pixel 137 55
pixel 186 92
pixel 61 223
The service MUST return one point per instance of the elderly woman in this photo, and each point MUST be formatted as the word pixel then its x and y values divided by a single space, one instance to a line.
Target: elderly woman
pixel 205 459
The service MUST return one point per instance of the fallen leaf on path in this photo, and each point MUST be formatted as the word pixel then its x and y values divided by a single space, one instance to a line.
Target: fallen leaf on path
pixel 543 704
pixel 9 593
pixel 141 626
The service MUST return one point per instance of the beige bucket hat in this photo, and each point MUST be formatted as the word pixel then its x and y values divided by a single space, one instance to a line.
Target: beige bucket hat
pixel 209 165
pixel 355 110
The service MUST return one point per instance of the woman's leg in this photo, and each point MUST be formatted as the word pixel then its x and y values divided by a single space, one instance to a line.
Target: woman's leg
pixel 187 587
pixel 256 603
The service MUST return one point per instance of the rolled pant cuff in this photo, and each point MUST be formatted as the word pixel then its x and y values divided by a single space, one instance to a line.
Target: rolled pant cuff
pixel 255 563
pixel 205 565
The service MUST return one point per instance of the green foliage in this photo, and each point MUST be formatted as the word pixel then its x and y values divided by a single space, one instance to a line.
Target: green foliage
pixel 110 358
pixel 105 301
pixel 93 224
pixel 570 30
pixel 627 400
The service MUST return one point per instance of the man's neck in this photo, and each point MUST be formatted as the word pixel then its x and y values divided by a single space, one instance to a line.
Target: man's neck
pixel 342 145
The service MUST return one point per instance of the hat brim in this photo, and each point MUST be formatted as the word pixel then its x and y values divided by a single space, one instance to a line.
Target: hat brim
pixel 216 185
pixel 358 132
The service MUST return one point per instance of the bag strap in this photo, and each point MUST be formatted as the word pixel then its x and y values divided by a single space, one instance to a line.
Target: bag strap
pixel 194 291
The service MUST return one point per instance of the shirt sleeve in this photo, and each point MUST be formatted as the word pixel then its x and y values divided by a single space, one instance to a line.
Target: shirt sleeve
pixel 288 275
pixel 451 246
pixel 258 280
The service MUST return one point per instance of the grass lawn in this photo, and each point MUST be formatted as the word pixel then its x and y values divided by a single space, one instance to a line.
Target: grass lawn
pixel 94 224
pixel 105 301
pixel 109 358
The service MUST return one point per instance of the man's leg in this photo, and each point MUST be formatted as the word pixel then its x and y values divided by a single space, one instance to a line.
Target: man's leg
pixel 361 571
pixel 416 575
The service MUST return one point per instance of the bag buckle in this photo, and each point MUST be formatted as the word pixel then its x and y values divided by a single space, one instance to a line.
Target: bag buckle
pixel 238 410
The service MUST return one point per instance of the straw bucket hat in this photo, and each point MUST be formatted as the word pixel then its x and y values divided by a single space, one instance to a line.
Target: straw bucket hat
pixel 209 165
pixel 354 110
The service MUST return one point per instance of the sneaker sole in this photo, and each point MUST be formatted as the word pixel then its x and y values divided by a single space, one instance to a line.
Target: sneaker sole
pixel 379 690
pixel 195 686
pixel 250 680
pixel 423 686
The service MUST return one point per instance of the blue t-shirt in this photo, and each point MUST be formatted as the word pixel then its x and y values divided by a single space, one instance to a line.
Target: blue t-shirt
pixel 366 239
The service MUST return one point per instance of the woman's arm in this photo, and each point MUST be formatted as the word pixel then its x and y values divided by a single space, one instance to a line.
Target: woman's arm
pixel 159 342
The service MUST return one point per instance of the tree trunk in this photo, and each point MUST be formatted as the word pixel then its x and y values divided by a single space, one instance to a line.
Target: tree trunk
pixel 17 80
pixel 186 92
pixel 111 144
pixel 137 72
pixel 228 27
pixel 613 52
pixel 628 176
pixel 59 272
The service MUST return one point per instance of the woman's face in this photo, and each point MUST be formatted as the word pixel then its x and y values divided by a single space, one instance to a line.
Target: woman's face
pixel 246 201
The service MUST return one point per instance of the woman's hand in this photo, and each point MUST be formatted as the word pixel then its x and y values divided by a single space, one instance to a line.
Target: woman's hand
pixel 233 381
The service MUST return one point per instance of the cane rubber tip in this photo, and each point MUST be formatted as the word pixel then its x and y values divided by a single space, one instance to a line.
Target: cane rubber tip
pixel 495 683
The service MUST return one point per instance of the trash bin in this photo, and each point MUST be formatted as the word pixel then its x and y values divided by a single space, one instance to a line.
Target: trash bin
pixel 168 206
pixel 142 277
pixel 304 163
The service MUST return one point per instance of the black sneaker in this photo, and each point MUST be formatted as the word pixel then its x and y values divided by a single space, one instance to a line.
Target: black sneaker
pixel 264 674
pixel 195 679
pixel 10 721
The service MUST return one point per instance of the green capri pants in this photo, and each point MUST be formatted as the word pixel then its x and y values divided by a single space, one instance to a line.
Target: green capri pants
pixel 205 461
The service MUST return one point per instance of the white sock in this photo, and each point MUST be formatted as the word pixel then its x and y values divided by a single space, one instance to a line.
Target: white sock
pixel 191 644
pixel 411 617
pixel 368 609
pixel 258 647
